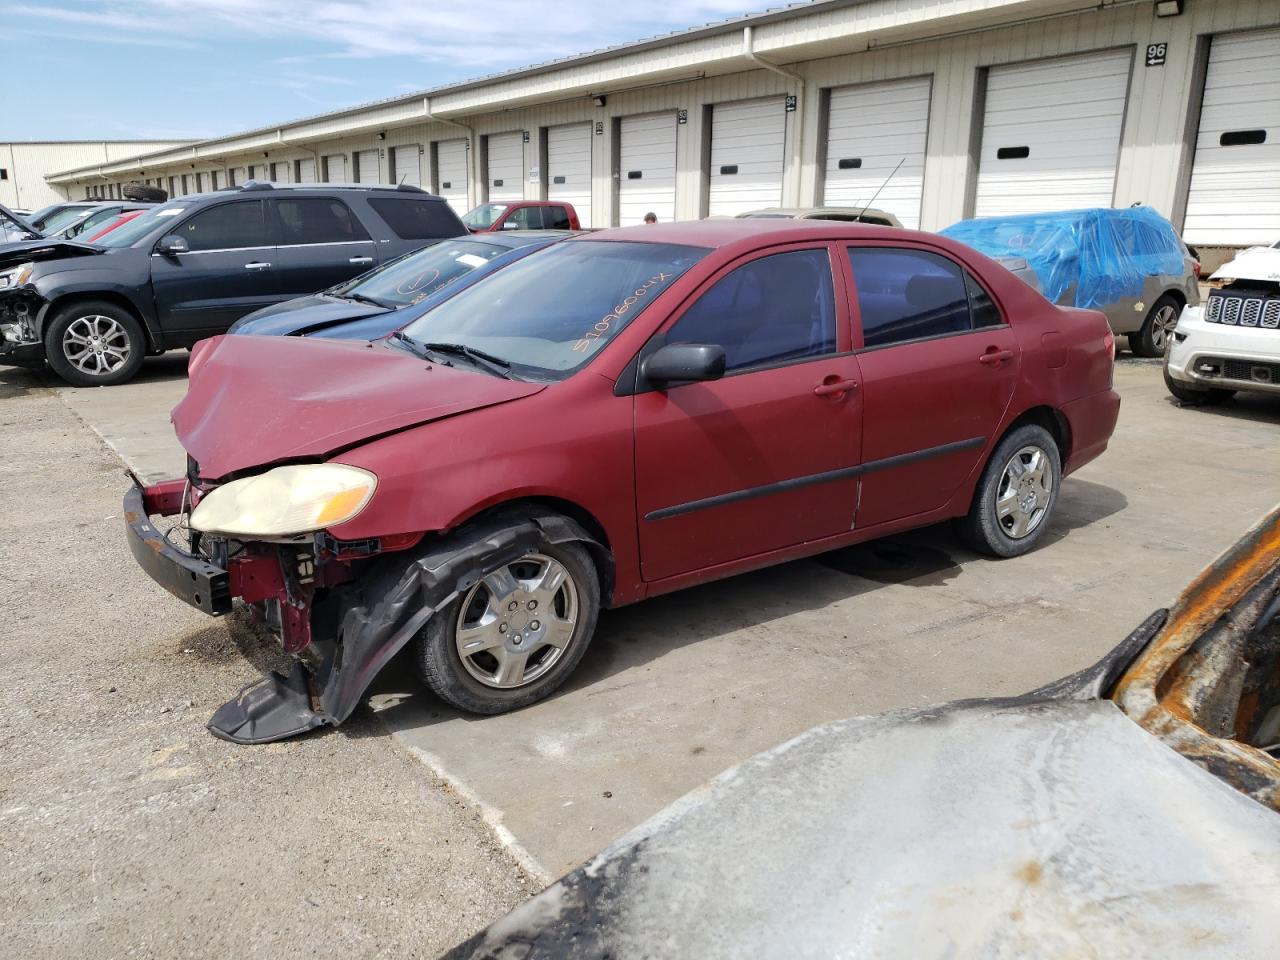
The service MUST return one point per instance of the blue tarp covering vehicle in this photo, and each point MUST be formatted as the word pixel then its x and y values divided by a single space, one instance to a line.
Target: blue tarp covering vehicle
pixel 1119 261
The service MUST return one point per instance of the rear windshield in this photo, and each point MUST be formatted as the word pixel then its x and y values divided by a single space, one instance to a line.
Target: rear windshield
pixel 128 234
pixel 412 219
pixel 61 218
pixel 412 278
pixel 551 312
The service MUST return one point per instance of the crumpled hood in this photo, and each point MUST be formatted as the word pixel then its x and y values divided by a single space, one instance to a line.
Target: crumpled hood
pixel 254 401
pixel 1256 263
pixel 304 315
pixel 26 251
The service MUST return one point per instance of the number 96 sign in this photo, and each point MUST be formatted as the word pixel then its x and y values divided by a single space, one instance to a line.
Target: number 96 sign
pixel 1156 53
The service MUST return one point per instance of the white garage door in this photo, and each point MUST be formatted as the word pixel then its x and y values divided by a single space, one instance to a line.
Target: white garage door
pixel 307 170
pixel 335 168
pixel 872 129
pixel 569 167
pixel 647 168
pixel 451 173
pixel 239 175
pixel 746 155
pixel 506 167
pixel 367 166
pixel 1051 134
pixel 405 167
pixel 1235 182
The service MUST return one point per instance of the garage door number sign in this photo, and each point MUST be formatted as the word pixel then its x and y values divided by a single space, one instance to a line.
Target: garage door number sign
pixel 1156 53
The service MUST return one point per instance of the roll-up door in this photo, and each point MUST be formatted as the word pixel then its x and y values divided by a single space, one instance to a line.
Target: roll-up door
pixel 569 167
pixel 874 129
pixel 307 170
pixel 405 166
pixel 747 155
pixel 1235 180
pixel 505 167
pixel 335 168
pixel 280 172
pixel 451 173
pixel 1051 134
pixel 367 166
pixel 647 168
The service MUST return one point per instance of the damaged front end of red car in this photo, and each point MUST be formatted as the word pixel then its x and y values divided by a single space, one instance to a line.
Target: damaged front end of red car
pixel 283 583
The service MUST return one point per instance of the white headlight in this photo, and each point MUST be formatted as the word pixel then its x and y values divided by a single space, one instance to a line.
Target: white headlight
pixel 15 276
pixel 286 501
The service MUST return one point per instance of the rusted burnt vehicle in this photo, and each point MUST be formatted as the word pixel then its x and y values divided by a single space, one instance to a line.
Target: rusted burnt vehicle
pixel 1129 810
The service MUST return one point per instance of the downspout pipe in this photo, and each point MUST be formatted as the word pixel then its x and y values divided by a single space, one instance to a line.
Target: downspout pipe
pixel 296 146
pixel 473 178
pixel 748 51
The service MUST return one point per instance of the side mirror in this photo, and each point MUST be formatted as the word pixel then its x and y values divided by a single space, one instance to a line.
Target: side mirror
pixel 678 362
pixel 172 245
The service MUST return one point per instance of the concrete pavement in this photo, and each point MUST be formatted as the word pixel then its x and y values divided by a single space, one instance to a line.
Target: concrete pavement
pixel 676 689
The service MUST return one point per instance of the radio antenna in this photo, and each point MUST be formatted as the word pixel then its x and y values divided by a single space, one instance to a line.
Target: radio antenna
pixel 881 187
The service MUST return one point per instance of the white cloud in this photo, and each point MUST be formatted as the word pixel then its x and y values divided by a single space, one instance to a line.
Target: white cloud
pixel 482 36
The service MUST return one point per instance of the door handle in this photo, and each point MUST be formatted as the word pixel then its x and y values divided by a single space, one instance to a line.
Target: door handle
pixel 832 387
pixel 994 357
pixel 257 265
pixel 361 260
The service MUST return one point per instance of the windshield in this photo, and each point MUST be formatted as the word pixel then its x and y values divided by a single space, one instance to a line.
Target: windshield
pixel 551 312
pixel 485 215
pixel 61 218
pixel 129 233
pixel 412 278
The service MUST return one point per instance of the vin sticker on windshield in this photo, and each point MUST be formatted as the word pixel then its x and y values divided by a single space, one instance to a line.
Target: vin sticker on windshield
pixel 605 323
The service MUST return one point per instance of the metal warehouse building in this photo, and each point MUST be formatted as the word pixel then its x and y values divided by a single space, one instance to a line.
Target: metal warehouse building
pixel 981 106
pixel 24 165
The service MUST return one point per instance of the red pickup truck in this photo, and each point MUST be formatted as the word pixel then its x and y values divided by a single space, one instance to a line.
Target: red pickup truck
pixel 522 215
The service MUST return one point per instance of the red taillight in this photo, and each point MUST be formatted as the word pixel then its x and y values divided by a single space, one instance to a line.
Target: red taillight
pixel 1196 267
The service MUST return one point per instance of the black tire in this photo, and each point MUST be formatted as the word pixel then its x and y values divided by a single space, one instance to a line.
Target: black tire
pixel 440 663
pixel 144 193
pixel 986 532
pixel 131 335
pixel 1152 338
pixel 1194 395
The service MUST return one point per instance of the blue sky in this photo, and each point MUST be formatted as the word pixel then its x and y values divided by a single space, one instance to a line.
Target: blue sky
pixel 87 69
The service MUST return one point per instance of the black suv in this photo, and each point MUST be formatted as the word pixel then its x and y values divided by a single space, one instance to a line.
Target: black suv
pixel 189 268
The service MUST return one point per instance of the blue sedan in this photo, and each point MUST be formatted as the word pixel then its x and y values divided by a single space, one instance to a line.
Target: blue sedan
pixel 382 300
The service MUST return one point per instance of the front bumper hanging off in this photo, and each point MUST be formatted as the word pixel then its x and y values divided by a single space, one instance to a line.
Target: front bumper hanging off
pixel 349 636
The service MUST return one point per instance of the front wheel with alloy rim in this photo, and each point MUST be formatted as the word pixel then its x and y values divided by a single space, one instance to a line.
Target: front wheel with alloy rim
pixel 516 634
pixel 1015 498
pixel 1153 337
pixel 94 343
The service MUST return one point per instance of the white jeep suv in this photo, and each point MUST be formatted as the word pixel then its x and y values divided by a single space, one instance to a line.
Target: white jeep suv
pixel 1232 341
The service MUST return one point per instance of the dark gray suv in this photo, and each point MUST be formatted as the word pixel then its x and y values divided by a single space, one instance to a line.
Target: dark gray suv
pixel 189 268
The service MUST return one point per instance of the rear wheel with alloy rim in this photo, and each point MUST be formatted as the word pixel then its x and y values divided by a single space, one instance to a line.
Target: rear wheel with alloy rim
pixel 1016 496
pixel 1152 339
pixel 516 634
pixel 94 343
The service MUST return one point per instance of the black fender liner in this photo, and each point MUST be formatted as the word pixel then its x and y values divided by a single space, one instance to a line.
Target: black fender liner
pixel 362 625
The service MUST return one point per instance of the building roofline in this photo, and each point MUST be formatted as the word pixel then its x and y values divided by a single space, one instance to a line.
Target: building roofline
pixel 716 28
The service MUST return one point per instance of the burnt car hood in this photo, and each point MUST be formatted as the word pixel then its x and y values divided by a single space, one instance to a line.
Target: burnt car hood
pixel 979 829
pixel 254 401
pixel 25 251
pixel 305 315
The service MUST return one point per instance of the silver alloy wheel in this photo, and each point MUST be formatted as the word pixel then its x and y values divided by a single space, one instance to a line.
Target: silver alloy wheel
pixel 1162 324
pixel 96 345
pixel 1026 487
pixel 516 623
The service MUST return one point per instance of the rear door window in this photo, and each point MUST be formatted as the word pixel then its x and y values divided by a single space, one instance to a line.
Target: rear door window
pixel 772 310
pixel 228 226
pixel 906 294
pixel 413 219
pixel 305 220
pixel 555 218
pixel 528 218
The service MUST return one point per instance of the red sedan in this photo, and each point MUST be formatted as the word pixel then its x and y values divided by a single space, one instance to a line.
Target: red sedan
pixel 614 417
